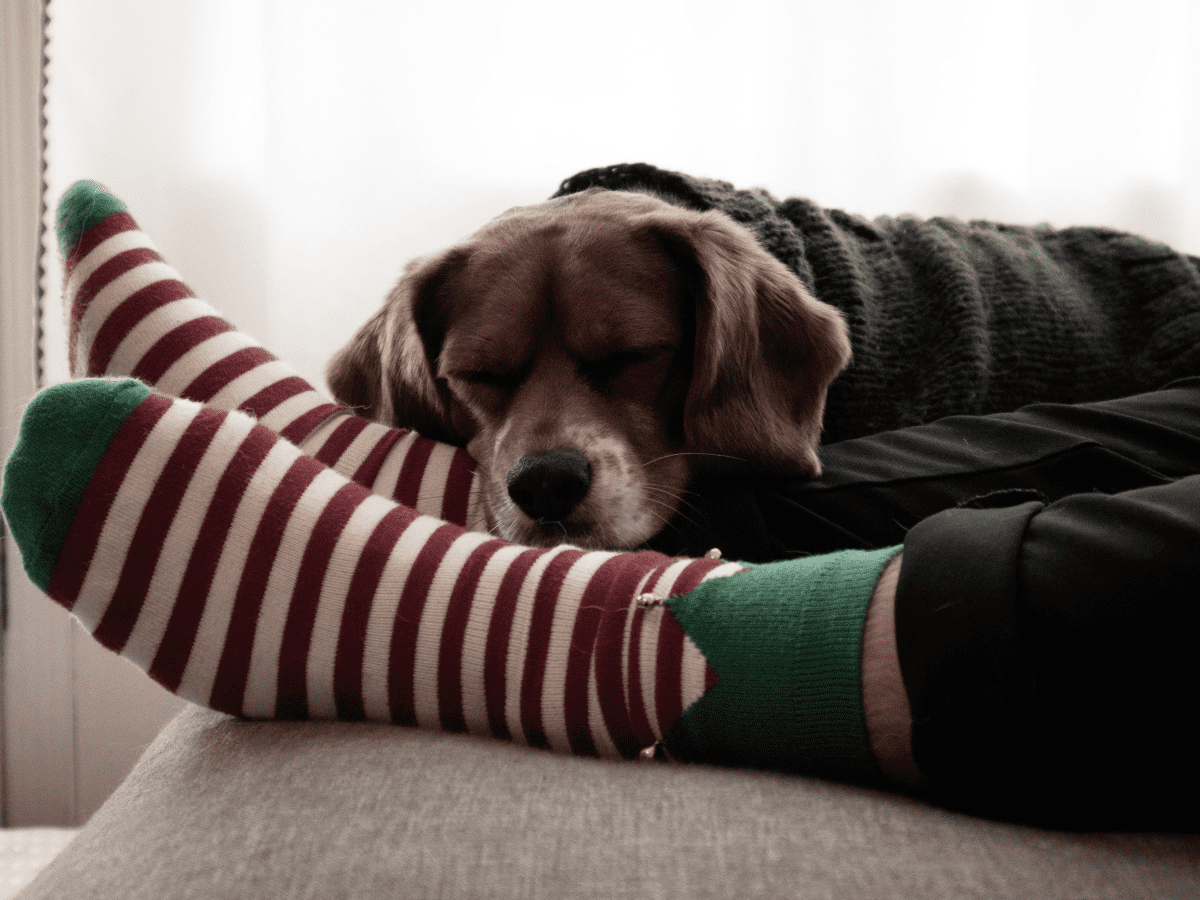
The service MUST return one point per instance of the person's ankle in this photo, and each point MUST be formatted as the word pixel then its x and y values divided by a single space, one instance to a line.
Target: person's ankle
pixel 885 700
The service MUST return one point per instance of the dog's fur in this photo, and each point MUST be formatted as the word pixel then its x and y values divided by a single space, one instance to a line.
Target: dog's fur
pixel 594 353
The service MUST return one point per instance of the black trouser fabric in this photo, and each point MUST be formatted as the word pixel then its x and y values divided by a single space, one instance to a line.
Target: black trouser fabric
pixel 1048 610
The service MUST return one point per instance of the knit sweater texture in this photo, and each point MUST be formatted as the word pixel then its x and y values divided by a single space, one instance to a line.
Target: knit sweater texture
pixel 949 317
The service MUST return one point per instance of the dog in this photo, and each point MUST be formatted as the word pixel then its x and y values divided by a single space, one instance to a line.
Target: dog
pixel 594 354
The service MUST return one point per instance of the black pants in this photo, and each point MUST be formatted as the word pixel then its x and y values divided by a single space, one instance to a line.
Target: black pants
pixel 1048 611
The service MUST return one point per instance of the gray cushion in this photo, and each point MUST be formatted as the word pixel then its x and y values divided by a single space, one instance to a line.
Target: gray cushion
pixel 224 808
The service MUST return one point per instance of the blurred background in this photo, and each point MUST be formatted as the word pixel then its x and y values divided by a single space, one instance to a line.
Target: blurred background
pixel 289 157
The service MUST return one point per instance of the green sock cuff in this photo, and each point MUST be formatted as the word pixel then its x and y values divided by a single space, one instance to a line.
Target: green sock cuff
pixel 64 433
pixel 785 640
pixel 84 205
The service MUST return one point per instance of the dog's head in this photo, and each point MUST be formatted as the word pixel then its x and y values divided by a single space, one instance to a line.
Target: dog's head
pixel 593 353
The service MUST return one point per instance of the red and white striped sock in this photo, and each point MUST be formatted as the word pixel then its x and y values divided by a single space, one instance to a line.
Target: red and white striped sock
pixel 130 314
pixel 251 578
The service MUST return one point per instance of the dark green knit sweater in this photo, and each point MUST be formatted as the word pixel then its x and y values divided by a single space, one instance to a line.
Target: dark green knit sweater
pixel 948 317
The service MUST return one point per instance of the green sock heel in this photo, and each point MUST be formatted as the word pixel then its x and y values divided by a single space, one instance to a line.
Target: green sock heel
pixel 64 434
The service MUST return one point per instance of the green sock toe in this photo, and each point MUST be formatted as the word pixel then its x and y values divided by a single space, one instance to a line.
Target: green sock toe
pixel 63 435
pixel 84 205
pixel 785 640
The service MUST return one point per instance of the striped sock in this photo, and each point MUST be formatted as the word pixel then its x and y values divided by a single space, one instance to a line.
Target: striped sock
pixel 251 578
pixel 130 314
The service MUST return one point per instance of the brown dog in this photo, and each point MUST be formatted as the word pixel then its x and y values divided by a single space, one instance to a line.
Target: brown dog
pixel 593 353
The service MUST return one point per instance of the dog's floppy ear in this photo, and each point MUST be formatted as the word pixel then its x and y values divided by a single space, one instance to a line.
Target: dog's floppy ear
pixel 355 374
pixel 766 352
pixel 387 370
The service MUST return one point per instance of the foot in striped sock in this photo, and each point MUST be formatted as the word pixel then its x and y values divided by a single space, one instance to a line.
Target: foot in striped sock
pixel 248 577
pixel 130 314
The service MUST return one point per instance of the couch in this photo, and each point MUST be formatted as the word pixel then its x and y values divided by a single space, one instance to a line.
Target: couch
pixel 220 808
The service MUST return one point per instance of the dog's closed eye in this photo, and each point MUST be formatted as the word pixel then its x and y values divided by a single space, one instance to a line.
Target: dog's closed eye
pixel 602 373
pixel 502 382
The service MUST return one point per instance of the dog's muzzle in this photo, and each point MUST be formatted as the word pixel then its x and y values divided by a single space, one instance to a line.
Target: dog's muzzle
pixel 548 486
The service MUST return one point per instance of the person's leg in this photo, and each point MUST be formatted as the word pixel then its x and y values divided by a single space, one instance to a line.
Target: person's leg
pixel 246 576
pixel 1048 651
pixel 874 489
pixel 130 314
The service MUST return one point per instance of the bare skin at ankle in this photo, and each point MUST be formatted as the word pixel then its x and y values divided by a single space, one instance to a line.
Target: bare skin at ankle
pixel 885 701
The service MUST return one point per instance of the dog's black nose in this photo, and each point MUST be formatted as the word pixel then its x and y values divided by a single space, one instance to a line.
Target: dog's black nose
pixel 547 486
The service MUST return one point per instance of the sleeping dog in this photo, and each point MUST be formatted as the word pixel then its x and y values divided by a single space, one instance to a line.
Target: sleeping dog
pixel 597 352
pixel 592 354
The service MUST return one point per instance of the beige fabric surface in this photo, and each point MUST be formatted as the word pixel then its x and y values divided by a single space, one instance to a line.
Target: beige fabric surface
pixel 26 851
pixel 223 808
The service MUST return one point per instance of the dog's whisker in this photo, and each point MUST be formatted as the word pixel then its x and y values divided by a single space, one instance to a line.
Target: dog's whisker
pixel 668 525
pixel 658 459
pixel 670 507
pixel 676 505
pixel 669 520
pixel 669 503
pixel 659 489
pixel 676 497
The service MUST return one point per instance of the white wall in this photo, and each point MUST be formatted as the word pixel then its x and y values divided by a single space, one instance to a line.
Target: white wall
pixel 290 156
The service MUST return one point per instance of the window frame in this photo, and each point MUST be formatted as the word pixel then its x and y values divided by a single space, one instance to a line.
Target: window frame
pixel 38 759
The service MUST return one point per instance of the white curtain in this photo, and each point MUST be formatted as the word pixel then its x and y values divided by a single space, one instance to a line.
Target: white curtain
pixel 289 156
